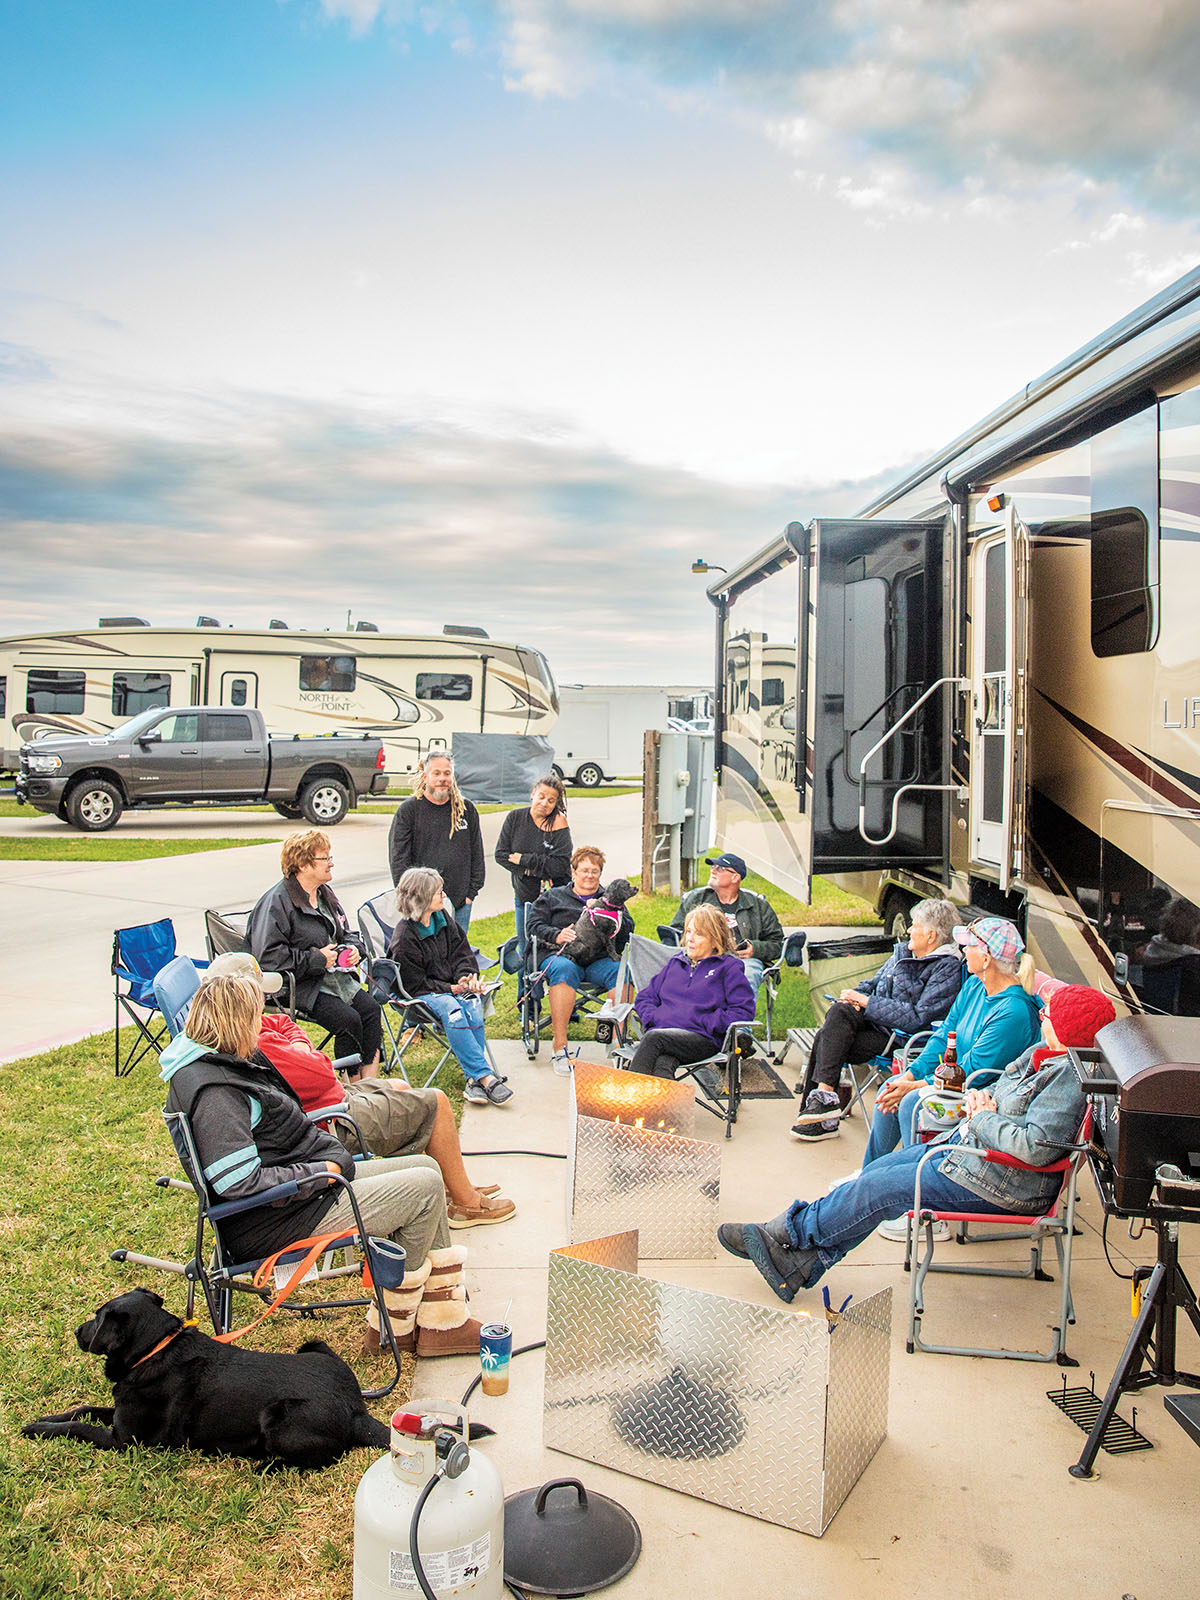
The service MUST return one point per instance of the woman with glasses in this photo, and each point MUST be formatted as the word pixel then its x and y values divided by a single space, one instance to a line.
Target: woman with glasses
pixel 300 927
pixel 913 989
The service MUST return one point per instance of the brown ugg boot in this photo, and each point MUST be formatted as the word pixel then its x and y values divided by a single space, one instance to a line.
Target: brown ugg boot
pixel 443 1326
pixel 402 1304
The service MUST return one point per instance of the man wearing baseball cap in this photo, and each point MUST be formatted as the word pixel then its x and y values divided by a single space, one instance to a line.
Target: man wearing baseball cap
pixel 993 1019
pixel 757 935
pixel 394 1119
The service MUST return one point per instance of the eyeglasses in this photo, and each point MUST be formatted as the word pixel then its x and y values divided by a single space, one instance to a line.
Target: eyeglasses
pixel 322 858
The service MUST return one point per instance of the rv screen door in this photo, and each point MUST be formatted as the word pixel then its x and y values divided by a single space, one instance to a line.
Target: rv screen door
pixel 999 590
pixel 876 645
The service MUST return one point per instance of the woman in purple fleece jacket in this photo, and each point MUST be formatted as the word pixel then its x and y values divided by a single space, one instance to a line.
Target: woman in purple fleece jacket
pixel 687 1006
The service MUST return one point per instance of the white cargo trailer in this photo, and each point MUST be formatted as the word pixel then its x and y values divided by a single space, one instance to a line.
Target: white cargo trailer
pixel 600 726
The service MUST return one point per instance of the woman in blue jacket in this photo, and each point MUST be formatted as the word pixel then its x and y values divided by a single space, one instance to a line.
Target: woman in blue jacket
pixel 688 1005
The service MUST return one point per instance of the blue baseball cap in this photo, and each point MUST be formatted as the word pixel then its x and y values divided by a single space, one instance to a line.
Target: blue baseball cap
pixel 734 863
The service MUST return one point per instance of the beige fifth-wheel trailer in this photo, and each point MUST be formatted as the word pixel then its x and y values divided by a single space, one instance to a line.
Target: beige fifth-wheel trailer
pixel 987 684
pixel 414 691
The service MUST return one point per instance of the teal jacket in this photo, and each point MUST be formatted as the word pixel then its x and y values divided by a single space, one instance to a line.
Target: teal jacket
pixel 992 1029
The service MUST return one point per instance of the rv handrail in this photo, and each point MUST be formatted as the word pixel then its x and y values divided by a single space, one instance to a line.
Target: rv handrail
pixel 888 733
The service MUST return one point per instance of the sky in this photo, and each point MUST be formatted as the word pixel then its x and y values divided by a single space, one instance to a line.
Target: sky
pixel 501 313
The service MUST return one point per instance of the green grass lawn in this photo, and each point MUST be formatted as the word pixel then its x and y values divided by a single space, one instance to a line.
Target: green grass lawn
pixel 112 847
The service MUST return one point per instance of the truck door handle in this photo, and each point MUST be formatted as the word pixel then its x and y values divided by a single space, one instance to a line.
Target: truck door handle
pixel 252 750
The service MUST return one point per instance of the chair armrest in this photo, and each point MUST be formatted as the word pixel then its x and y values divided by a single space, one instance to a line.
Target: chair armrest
pixel 669 935
pixel 324 1113
pixel 1001 1158
pixel 793 949
pixel 915 1043
pixel 265 1197
pixel 508 957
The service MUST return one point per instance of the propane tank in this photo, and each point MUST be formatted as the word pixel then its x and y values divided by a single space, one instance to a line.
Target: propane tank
pixel 461 1533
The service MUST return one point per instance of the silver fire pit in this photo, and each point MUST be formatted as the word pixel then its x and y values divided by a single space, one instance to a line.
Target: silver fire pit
pixel 632 1163
pixel 771 1412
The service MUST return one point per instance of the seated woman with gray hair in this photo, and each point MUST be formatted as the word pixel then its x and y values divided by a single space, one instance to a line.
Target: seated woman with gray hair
pixel 913 989
pixel 437 967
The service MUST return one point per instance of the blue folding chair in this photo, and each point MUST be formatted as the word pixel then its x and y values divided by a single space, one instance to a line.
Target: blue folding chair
pixel 174 987
pixel 138 955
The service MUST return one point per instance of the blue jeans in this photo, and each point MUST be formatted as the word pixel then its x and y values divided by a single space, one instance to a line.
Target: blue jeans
pixel 462 1017
pixel 602 973
pixel 892 1128
pixel 462 915
pixel 520 909
pixel 754 974
pixel 843 1218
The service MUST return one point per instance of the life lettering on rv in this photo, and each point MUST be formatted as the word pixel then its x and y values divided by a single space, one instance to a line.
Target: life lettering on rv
pixel 1189 711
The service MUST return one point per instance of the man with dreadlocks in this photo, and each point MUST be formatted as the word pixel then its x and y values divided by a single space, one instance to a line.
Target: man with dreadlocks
pixel 437 828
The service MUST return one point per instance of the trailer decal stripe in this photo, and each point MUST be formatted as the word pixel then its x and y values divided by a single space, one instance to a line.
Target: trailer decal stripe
pixel 1133 761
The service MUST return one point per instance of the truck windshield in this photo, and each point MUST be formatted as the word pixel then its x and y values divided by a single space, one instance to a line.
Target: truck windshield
pixel 130 729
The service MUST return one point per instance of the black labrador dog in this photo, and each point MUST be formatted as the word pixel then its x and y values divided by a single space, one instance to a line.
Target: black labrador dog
pixel 174 1386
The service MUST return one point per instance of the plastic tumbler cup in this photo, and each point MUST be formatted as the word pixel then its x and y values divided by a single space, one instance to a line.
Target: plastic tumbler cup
pixel 495 1352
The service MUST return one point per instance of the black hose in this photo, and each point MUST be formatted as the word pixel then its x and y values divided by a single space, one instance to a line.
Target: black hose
pixel 418 1568
pixel 478 1378
pixel 550 1155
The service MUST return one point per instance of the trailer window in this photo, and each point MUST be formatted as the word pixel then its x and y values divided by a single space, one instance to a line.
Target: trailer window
pixel 237 692
pixel 139 691
pixel 53 689
pixel 1152 921
pixel 1124 535
pixel 444 685
pixel 3 696
pixel 328 674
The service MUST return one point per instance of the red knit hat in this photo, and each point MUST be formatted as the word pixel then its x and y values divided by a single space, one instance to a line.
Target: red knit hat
pixel 1077 1013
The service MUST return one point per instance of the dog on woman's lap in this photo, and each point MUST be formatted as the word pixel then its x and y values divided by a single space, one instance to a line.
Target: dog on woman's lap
pixel 598 925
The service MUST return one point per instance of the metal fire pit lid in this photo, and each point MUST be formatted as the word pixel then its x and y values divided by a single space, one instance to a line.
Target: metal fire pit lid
pixel 565 1543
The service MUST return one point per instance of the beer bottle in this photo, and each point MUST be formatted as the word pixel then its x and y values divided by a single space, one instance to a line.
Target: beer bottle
pixel 949 1075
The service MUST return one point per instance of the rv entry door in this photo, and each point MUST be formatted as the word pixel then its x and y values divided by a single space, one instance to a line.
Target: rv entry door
pixel 999 611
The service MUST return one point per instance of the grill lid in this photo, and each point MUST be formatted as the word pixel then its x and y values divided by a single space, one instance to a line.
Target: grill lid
pixel 1156 1061
pixel 567 1543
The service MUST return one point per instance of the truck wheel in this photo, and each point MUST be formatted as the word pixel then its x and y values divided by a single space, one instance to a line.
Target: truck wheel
pixel 897 908
pixel 292 813
pixel 589 776
pixel 324 802
pixel 94 805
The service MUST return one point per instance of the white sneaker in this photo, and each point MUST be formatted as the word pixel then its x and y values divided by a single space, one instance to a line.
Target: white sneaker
pixel 897 1231
pixel 849 1178
pixel 561 1062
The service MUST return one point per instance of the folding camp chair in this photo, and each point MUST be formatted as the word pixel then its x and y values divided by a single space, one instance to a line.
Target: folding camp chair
pixel 138 954
pixel 1056 1222
pixel 591 1000
pixel 792 955
pixel 403 1015
pixel 219 1273
pixel 174 987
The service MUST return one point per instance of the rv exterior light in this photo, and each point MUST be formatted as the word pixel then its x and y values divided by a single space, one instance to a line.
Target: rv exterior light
pixel 700 565
pixel 207 622
pixel 996 503
pixel 275 623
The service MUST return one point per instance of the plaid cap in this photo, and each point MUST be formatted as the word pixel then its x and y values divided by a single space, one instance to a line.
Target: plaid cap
pixel 241 964
pixel 998 937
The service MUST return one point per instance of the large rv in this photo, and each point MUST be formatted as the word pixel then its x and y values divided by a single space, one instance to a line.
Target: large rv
pixel 415 692
pixel 987 683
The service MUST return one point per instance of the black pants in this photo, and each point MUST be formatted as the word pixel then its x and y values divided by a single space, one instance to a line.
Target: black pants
pixel 355 1024
pixel 664 1049
pixel 845 1035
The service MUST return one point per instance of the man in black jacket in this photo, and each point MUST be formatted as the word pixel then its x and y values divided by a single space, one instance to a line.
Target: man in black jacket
pixel 757 934
pixel 438 828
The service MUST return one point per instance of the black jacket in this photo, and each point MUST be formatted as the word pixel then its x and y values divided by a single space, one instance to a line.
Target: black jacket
pixel 560 908
pixel 240 1158
pixel 420 837
pixel 545 856
pixel 287 935
pixel 432 965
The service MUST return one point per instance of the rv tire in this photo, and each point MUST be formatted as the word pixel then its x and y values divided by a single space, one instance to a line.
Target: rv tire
pixel 897 908
pixel 291 812
pixel 324 802
pixel 589 776
pixel 94 805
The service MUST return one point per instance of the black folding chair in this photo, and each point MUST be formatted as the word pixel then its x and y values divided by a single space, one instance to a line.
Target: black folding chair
pixel 790 956
pixel 591 1000
pixel 218 1272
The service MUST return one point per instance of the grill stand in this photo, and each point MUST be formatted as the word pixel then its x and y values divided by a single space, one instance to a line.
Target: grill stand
pixel 1166 1293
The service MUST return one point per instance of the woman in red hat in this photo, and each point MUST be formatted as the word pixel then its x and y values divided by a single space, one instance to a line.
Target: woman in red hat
pixel 1033 1112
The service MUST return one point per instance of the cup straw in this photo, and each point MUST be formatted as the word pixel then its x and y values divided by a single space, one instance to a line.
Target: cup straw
pixel 507 1309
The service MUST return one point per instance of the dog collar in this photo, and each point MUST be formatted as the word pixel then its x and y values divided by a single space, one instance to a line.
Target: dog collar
pixel 161 1345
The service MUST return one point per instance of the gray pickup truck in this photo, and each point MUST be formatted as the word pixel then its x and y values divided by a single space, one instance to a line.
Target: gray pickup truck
pixel 201 755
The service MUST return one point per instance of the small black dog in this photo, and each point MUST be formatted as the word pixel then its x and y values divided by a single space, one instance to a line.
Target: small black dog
pixel 598 925
pixel 175 1386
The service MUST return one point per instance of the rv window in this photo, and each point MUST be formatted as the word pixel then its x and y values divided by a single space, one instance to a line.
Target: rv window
pixel 182 728
pixel 772 691
pixel 1154 923
pixel 237 692
pixel 328 674
pixel 52 689
pixel 139 691
pixel 444 685
pixel 227 725
pixel 1124 535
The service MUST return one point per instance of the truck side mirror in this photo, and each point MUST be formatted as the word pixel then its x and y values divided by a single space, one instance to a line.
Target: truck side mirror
pixel 151 736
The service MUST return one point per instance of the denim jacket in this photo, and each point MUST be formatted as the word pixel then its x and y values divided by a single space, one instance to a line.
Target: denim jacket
pixel 1039 1109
